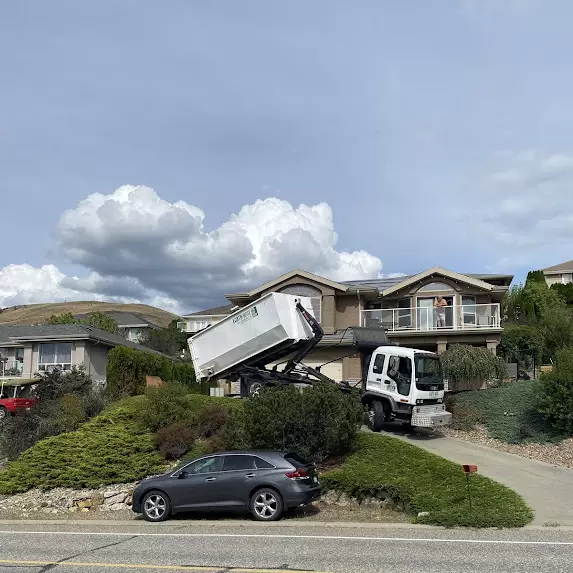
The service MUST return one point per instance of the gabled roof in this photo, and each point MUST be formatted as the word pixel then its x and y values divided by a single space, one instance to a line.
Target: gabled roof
pixel 566 267
pixel 289 275
pixel 437 271
pixel 217 311
pixel 9 335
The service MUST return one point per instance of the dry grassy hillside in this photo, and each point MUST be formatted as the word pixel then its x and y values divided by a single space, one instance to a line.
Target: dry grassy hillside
pixel 38 313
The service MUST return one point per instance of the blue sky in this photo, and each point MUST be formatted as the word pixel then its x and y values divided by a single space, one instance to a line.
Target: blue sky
pixel 414 134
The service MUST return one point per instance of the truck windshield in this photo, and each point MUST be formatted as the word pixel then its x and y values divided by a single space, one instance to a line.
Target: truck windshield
pixel 429 373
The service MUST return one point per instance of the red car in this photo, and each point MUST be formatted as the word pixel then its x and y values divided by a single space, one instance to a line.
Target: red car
pixel 17 396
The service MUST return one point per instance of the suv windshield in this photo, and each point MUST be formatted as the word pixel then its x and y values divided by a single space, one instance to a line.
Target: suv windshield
pixel 429 373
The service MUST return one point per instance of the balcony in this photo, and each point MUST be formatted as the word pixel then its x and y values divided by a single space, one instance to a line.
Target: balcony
pixel 11 369
pixel 427 319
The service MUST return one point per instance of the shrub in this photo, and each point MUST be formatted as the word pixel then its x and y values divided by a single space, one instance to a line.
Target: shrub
pixel 175 440
pixel 128 367
pixel 316 422
pixel 510 413
pixel 424 482
pixel 111 448
pixel 470 367
pixel 18 433
pixel 164 405
pixel 556 392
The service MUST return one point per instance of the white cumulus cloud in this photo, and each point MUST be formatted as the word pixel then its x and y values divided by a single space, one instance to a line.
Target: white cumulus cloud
pixel 136 246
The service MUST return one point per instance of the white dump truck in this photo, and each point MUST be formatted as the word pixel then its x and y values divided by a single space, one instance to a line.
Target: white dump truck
pixel 278 329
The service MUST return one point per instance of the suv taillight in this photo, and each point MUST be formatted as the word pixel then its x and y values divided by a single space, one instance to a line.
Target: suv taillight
pixel 298 474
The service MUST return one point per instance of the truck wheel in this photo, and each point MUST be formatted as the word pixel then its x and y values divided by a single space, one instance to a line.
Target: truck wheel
pixel 3 412
pixel 254 387
pixel 376 416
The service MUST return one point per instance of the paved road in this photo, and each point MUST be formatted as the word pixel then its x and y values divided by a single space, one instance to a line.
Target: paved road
pixel 251 548
pixel 547 489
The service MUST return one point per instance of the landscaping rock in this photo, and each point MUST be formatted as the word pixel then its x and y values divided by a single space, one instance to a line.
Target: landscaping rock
pixel 116 499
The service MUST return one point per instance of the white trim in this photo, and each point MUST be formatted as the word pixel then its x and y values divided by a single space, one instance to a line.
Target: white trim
pixel 441 272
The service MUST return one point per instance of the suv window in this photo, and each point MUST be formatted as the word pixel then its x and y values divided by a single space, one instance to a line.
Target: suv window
pixel 238 462
pixel 296 461
pixel 263 464
pixel 205 466
pixel 378 367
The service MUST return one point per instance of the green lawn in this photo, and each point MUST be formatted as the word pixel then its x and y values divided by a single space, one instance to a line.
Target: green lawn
pixel 509 413
pixel 427 483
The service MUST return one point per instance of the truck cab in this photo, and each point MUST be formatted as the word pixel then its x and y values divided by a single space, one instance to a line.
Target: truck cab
pixel 404 384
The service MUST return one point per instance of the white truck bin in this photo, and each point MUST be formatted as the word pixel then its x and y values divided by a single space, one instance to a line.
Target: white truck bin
pixel 249 334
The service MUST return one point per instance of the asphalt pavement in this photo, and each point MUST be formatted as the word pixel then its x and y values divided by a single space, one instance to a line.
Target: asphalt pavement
pixel 247 547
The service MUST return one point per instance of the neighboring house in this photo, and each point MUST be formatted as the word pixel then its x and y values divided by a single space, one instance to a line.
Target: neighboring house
pixel 131 326
pixel 197 321
pixel 28 350
pixel 404 306
pixel 559 274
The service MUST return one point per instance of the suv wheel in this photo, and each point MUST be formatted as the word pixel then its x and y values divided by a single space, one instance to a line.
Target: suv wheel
pixel 266 505
pixel 3 412
pixel 156 506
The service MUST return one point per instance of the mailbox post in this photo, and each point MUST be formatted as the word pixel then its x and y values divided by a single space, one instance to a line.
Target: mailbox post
pixel 468 470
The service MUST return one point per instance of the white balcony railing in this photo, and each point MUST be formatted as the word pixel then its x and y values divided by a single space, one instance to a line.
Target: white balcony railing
pixel 457 317
pixel 11 369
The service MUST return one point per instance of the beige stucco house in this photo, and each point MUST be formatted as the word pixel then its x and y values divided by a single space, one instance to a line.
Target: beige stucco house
pixel 559 274
pixel 404 306
pixel 26 351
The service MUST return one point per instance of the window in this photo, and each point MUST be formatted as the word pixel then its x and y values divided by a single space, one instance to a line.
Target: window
pixel 263 464
pixel 400 371
pixel 55 355
pixel 469 309
pixel 378 367
pixel 297 461
pixel 205 466
pixel 238 462
pixel 311 292
pixel 436 287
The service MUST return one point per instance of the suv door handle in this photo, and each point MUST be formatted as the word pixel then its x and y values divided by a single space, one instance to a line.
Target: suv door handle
pixel 250 476
pixel 210 479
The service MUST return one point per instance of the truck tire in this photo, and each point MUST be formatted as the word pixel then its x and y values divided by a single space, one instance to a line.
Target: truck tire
pixel 254 386
pixel 377 416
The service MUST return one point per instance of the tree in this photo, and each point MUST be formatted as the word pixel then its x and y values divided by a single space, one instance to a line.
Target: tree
pixel 470 367
pixel 556 392
pixel 521 343
pixel 96 319
pixel 564 291
pixel 535 277
pixel 169 340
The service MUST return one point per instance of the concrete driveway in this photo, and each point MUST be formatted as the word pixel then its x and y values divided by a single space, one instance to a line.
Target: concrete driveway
pixel 547 489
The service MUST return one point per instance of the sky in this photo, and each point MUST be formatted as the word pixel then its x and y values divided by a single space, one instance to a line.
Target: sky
pixel 173 152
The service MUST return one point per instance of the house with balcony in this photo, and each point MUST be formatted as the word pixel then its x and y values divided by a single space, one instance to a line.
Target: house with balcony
pixel 404 306
pixel 26 351
pixel 196 321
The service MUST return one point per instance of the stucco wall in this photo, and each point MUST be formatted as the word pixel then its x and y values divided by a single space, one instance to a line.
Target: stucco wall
pixel 96 360
pixel 347 311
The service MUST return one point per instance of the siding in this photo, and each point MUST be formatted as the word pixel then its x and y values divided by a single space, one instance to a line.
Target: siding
pixel 96 360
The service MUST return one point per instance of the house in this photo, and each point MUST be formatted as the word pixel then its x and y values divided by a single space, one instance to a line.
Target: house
pixel 28 350
pixel 131 326
pixel 404 306
pixel 196 321
pixel 559 274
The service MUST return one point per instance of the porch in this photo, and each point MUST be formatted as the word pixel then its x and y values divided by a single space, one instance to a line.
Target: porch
pixel 428 319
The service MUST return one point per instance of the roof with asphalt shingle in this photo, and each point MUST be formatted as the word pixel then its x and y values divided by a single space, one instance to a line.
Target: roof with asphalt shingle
pixel 218 310
pixel 560 268
pixel 123 319
pixel 11 334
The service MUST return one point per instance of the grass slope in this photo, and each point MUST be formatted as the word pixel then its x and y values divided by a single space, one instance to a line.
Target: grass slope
pixel 38 313
pixel 509 413
pixel 111 448
pixel 427 483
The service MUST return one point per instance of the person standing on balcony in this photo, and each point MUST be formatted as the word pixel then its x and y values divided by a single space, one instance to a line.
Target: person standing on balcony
pixel 440 308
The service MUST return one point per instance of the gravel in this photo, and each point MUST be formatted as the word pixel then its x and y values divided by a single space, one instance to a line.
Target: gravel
pixel 559 454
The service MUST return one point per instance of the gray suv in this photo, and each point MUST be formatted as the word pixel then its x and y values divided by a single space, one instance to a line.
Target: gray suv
pixel 264 482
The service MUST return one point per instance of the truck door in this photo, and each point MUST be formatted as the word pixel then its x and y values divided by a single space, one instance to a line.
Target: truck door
pixel 398 377
pixel 375 378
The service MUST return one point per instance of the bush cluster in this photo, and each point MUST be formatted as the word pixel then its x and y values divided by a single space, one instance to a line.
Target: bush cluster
pixel 111 448
pixel 66 400
pixel 316 422
pixel 425 482
pixel 556 393
pixel 470 367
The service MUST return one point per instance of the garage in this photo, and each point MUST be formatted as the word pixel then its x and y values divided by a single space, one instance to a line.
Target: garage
pixel 332 370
